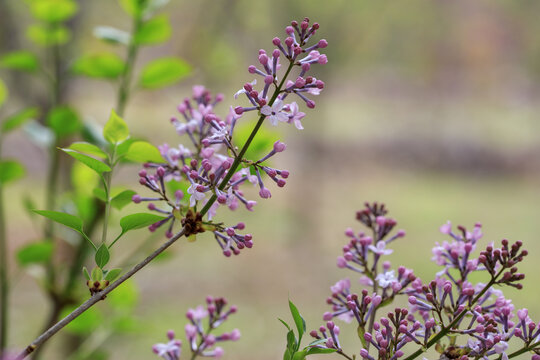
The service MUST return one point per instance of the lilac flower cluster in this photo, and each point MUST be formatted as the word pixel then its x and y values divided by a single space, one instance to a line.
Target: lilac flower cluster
pixel 199 337
pixel 212 170
pixel 459 318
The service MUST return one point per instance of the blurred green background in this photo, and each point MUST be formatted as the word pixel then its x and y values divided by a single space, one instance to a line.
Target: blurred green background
pixel 430 107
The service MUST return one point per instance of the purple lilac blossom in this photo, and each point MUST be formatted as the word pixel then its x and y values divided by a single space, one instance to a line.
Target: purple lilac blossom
pixel 203 320
pixel 450 306
pixel 209 171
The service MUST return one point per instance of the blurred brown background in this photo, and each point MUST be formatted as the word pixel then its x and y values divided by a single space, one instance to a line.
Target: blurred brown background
pixel 429 106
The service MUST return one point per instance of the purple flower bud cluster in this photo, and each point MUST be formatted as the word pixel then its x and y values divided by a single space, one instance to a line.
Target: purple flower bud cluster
pixel 363 255
pixel 447 308
pixel 328 338
pixel 201 341
pixel 211 171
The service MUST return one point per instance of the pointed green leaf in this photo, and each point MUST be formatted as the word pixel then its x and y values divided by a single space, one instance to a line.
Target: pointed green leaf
pixel 68 220
pixel 163 72
pixel 3 92
pixel 38 252
pixel 138 221
pixel 299 355
pixel 292 343
pixel 298 320
pixel 102 256
pixel 64 121
pixel 116 129
pixel 10 170
pixel 19 118
pixel 88 148
pixel 122 199
pixel 92 163
pixel 53 10
pixel 284 323
pixel 316 350
pixel 154 31
pixel 104 65
pixel 45 36
pixel 112 35
pixel 113 274
pixel 20 60
pixel 86 273
pixel 142 152
pixel 97 274
pixel 133 7
pixel 287 355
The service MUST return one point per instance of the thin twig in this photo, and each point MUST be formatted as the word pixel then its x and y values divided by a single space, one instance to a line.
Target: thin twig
pixel 95 299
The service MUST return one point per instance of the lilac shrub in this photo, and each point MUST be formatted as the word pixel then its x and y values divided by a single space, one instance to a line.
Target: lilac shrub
pixel 208 170
pixel 198 335
pixel 458 317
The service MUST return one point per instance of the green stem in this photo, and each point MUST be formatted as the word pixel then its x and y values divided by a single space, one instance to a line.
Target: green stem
pixel 108 179
pixel 125 81
pixel 524 350
pixel 4 284
pixel 239 157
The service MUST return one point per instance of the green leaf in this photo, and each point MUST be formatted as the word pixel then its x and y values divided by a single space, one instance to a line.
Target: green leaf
pixel 133 7
pixel 300 355
pixel 97 274
pixel 45 36
pixel 104 65
pixel 136 221
pixel 20 60
pixel 298 320
pixel 154 31
pixel 102 256
pixel 64 121
pixel 19 118
pixel 113 274
pixel 86 273
pixel 92 163
pixel 122 149
pixel 3 92
pixel 10 170
pixel 287 355
pixel 142 152
pixel 292 343
pixel 38 252
pixel 124 297
pixel 88 148
pixel 112 35
pixel 116 129
pixel 53 11
pixel 163 72
pixel 284 323
pixel 316 350
pixel 122 199
pixel 68 220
